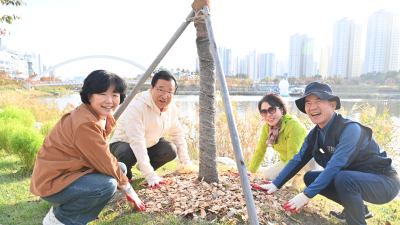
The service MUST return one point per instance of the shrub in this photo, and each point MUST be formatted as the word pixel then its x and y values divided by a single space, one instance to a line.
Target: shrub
pixel 7 128
pixel 26 142
pixel 47 126
pixel 24 116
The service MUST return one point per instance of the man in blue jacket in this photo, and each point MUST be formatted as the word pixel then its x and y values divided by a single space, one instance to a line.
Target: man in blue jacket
pixel 357 169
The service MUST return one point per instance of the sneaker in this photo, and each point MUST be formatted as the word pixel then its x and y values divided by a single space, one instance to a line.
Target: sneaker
pixel 368 214
pixel 341 216
pixel 50 219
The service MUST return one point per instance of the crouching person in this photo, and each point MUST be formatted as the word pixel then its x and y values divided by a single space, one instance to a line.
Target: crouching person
pixel 74 167
pixel 357 169
pixel 139 134
pixel 285 133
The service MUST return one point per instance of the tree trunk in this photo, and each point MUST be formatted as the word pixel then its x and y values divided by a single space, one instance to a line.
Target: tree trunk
pixel 207 113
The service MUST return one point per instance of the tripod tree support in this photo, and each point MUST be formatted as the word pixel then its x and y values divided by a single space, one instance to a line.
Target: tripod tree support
pixel 153 66
pixel 244 179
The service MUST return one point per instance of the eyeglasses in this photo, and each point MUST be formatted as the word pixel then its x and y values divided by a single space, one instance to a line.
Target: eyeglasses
pixel 162 92
pixel 270 110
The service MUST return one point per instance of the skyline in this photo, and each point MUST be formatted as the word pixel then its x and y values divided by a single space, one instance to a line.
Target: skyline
pixel 100 28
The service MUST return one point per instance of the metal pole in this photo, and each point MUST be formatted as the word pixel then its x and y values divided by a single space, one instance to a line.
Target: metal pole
pixel 244 179
pixel 153 66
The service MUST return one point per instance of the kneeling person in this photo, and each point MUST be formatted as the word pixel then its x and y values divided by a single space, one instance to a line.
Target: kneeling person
pixel 139 135
pixel 357 169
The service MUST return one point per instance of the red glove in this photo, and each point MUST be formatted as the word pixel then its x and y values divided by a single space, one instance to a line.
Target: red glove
pixel 131 196
pixel 248 173
pixel 296 203
pixel 269 188
pixel 156 183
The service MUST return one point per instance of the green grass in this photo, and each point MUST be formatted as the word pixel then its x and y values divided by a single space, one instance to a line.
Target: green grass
pixel 17 204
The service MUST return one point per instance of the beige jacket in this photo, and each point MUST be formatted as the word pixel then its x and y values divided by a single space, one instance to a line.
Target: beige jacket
pixel 77 145
pixel 142 124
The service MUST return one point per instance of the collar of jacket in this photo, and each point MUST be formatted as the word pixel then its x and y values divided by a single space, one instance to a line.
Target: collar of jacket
pixel 285 118
pixel 110 119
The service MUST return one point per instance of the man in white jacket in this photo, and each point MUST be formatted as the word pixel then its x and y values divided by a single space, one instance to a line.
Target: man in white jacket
pixel 139 134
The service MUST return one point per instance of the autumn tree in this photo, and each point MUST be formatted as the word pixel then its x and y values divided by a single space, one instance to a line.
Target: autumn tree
pixel 9 18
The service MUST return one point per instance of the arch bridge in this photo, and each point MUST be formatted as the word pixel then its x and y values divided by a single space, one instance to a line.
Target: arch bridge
pixel 36 81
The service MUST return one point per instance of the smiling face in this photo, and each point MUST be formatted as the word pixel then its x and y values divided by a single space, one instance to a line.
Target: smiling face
pixel 162 93
pixel 271 119
pixel 106 103
pixel 319 111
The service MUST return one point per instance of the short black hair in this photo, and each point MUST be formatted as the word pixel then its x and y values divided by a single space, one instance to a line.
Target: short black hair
pixel 99 81
pixel 164 75
pixel 273 100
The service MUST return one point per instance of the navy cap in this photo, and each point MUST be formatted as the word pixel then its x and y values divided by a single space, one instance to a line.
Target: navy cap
pixel 322 90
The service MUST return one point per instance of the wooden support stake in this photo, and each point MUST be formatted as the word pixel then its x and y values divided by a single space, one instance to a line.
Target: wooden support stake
pixel 153 66
pixel 244 179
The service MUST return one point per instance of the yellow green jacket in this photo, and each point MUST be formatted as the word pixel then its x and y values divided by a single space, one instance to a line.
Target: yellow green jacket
pixel 290 141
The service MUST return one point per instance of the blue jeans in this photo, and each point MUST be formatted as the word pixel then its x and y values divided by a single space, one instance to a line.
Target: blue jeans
pixel 350 188
pixel 82 201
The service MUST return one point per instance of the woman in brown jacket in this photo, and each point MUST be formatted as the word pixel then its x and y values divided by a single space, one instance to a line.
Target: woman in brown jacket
pixel 74 167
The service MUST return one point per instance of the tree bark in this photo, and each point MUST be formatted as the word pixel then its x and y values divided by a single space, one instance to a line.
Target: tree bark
pixel 207 107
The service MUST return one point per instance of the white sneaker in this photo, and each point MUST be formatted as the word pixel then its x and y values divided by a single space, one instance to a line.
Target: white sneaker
pixel 50 219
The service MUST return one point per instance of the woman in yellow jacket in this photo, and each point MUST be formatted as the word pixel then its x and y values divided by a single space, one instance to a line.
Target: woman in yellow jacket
pixel 282 132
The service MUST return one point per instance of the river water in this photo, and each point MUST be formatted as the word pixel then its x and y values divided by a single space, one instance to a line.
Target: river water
pixel 189 103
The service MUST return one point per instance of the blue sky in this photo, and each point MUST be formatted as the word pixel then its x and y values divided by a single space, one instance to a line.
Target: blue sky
pixel 137 30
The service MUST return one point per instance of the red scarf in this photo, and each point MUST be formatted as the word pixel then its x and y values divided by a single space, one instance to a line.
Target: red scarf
pixel 274 132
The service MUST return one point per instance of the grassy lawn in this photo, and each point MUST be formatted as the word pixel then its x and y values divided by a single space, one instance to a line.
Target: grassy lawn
pixel 19 206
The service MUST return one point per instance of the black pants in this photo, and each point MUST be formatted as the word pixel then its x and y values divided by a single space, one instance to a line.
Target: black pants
pixel 159 154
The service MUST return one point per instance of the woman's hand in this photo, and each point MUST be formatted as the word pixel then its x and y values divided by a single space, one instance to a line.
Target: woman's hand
pixel 131 196
pixel 249 172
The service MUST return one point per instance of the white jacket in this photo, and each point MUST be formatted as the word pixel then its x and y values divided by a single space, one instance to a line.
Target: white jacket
pixel 142 124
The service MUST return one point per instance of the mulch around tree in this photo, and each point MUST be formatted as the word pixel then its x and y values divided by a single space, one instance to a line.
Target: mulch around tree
pixel 224 201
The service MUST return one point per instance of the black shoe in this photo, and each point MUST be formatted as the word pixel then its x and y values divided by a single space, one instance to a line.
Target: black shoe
pixel 368 214
pixel 341 216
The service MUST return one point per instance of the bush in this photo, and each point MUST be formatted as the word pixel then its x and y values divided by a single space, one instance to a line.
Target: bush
pixel 47 126
pixel 23 115
pixel 26 142
pixel 7 128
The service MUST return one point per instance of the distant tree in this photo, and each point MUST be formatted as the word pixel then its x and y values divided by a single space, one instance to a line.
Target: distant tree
pixel 337 79
pixel 242 75
pixel 292 80
pixel 355 81
pixel 158 69
pixel 9 18
pixel 266 79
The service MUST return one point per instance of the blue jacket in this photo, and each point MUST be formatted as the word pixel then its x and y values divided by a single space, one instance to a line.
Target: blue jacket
pixel 349 146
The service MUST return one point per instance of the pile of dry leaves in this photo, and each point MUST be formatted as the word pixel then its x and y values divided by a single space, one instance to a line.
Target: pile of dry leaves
pixel 186 196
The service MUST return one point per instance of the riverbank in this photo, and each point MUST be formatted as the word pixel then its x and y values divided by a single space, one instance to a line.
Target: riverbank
pixel 341 95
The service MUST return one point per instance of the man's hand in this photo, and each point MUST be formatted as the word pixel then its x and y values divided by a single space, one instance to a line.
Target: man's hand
pixel 296 203
pixel 248 173
pixel 187 162
pixel 270 188
pixel 131 196
pixel 155 183
pixel 186 166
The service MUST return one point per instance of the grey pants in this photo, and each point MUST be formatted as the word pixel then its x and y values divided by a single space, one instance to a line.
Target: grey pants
pixel 159 154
